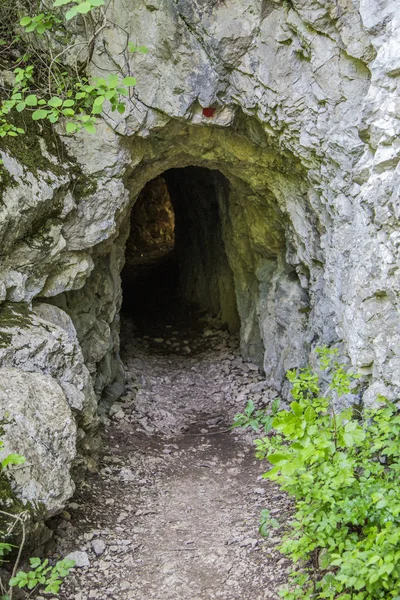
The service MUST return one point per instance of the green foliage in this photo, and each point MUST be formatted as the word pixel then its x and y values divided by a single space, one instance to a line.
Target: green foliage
pixel 66 94
pixel 266 522
pixel 81 7
pixel 43 574
pixel 342 470
pixel 141 49
pixel 40 23
pixel 256 419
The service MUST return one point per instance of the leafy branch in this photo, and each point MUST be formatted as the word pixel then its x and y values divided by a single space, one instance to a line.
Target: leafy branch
pixel 55 93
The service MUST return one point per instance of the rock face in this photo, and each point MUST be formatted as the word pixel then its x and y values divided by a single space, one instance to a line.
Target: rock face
pixel 304 137
pixel 48 443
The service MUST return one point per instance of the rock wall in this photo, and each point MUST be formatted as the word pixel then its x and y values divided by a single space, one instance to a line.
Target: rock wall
pixel 305 131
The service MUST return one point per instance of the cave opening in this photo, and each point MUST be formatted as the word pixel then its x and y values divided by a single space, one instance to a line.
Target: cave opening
pixel 175 261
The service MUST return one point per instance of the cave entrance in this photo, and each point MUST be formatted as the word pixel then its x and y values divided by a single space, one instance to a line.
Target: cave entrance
pixel 175 253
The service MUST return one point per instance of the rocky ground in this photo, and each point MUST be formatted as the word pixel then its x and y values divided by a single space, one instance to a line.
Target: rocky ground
pixel 173 511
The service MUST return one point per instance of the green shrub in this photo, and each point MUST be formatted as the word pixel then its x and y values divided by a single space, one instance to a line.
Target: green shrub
pixel 342 470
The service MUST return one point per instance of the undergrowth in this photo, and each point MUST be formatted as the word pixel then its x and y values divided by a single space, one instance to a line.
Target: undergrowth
pixel 341 467
pixel 45 62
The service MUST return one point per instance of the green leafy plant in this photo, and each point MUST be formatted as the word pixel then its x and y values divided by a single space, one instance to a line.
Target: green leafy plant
pixel 266 522
pixel 342 469
pixel 256 419
pixel 43 574
pixel 61 92
pixel 40 23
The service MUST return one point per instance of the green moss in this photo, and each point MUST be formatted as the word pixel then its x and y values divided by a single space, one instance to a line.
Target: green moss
pixel 8 503
pixel 12 314
pixel 83 185
pixel 6 179
pixel 26 148
pixel 5 339
pixel 15 314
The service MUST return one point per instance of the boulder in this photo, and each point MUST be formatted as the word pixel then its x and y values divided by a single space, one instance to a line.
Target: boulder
pixel 37 423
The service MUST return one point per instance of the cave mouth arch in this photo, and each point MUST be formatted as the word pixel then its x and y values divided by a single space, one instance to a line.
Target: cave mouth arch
pixel 271 226
pixel 176 248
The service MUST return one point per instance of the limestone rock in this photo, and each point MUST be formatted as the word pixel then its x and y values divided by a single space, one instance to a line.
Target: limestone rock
pixel 37 423
pixel 81 559
pixel 33 344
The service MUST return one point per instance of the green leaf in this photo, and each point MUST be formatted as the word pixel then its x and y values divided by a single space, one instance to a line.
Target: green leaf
pixel 143 49
pixel 277 458
pixel 67 563
pixel 71 13
pixel 31 100
pixel 71 127
pixel 296 408
pixel 20 106
pixel 35 562
pixel 248 411
pixel 13 459
pixel 129 81
pixel 99 101
pixel 84 8
pixel 61 2
pixel 90 127
pixel 55 102
pixel 53 117
pixel 113 81
pixel 122 91
pixel 39 114
pixel 25 21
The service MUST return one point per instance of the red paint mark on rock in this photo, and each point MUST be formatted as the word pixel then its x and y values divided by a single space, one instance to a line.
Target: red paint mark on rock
pixel 208 112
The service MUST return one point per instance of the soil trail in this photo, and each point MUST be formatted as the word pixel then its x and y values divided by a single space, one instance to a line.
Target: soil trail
pixel 173 511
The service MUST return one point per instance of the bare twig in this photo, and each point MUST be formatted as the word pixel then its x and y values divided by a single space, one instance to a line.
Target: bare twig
pixel 23 516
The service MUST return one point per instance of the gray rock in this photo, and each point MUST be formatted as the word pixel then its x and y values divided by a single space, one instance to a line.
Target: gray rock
pixel 38 424
pixel 81 559
pixel 98 546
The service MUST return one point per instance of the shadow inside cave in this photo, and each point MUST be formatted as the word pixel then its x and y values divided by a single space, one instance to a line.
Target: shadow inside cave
pixel 175 254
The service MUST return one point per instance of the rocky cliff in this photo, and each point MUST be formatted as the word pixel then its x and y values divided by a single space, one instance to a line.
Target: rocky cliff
pixel 302 152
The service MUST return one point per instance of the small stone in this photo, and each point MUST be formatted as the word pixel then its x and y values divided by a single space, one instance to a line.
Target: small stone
pixel 208 333
pixel 98 546
pixel 81 559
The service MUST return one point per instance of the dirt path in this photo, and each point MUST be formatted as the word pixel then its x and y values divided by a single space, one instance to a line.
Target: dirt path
pixel 173 511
